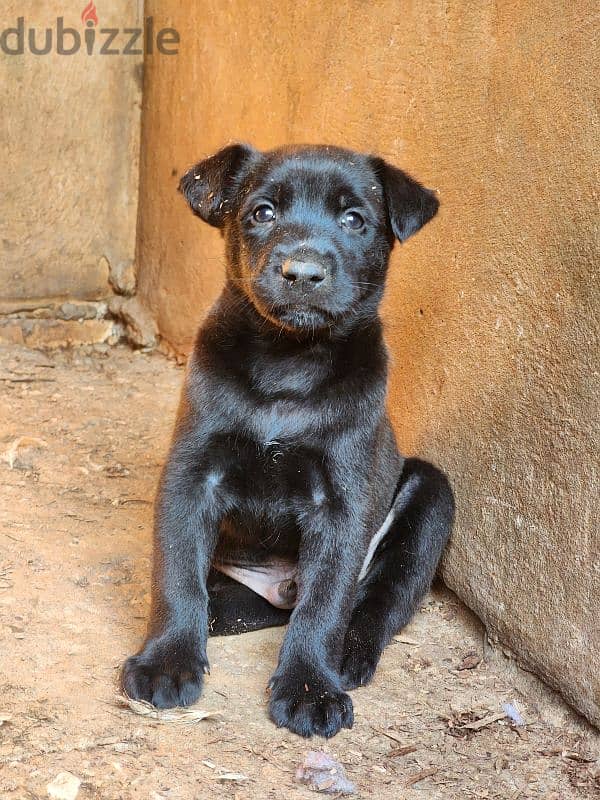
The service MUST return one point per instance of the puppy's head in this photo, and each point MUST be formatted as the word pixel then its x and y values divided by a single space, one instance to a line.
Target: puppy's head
pixel 308 229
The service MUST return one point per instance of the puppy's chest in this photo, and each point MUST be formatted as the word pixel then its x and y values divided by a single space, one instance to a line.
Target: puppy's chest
pixel 272 470
pixel 269 431
pixel 280 425
pixel 282 463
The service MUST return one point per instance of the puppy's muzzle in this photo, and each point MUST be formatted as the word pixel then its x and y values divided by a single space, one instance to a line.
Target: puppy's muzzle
pixel 303 274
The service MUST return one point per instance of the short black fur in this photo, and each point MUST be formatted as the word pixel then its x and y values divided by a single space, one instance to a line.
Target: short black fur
pixel 283 451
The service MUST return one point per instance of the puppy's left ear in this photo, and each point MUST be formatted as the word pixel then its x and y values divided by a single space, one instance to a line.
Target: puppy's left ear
pixel 209 187
pixel 409 205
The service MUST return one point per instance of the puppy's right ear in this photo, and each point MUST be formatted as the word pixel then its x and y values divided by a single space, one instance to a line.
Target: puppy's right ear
pixel 209 187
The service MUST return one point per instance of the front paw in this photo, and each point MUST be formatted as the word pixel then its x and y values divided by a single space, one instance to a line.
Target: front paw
pixel 362 652
pixel 309 706
pixel 166 673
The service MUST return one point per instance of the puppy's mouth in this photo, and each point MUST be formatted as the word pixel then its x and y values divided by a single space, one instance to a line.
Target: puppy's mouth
pixel 299 318
pixel 306 307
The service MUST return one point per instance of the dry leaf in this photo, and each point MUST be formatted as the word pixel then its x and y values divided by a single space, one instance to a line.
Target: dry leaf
pixel 185 716
pixel 395 737
pixel 401 639
pixel 420 776
pixel 12 451
pixel 483 722
pixel 401 751
pixel 470 661
pixel 574 756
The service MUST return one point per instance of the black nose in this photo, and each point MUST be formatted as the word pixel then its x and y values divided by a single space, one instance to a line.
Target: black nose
pixel 303 273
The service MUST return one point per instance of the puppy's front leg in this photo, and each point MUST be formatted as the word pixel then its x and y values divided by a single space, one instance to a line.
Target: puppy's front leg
pixel 306 691
pixel 168 670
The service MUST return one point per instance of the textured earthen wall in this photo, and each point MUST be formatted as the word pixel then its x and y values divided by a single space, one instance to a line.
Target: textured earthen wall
pixel 492 310
pixel 69 139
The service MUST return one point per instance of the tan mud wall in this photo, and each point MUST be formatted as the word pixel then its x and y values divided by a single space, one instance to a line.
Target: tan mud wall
pixel 69 141
pixel 492 310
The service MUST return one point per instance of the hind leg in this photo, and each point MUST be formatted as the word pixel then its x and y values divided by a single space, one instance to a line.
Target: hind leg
pixel 402 569
pixel 234 608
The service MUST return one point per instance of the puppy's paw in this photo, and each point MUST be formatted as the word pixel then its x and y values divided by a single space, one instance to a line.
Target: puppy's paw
pixel 358 670
pixel 360 659
pixel 165 673
pixel 309 707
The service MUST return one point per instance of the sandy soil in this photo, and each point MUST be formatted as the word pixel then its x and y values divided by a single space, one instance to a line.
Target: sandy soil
pixel 82 438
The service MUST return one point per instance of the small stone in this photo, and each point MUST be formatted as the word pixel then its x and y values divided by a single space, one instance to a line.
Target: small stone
pixel 322 773
pixel 64 787
pixel 470 661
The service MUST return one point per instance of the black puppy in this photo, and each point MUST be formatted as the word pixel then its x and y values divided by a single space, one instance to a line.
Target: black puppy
pixel 284 487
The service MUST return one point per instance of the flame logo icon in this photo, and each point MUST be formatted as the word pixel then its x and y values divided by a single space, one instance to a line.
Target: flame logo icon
pixel 89 14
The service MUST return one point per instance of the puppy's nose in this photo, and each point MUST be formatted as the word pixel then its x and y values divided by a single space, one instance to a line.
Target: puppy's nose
pixel 303 273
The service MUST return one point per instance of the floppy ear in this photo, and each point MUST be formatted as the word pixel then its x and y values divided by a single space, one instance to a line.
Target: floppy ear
pixel 210 185
pixel 409 205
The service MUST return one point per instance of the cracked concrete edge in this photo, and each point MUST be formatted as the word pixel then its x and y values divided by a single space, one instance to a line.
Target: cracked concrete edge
pixel 53 308
pixel 141 328
pixel 122 276
pixel 52 333
pixel 55 322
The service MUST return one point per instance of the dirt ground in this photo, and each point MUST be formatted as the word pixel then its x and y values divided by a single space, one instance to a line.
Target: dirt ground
pixel 82 437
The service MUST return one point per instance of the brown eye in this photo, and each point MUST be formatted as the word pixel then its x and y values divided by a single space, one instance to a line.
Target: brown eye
pixel 352 220
pixel 263 213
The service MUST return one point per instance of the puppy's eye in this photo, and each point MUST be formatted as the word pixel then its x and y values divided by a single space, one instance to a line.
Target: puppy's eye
pixel 263 213
pixel 352 220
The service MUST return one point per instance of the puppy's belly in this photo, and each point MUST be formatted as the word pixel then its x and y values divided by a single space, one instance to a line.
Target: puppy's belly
pixel 278 582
